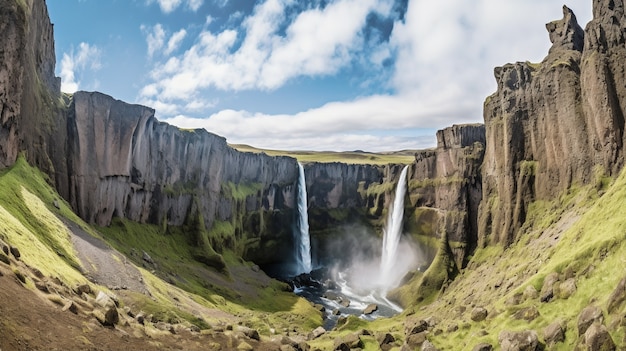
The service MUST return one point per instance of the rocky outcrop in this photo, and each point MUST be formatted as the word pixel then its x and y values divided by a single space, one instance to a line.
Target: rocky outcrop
pixel 29 91
pixel 554 124
pixel 445 188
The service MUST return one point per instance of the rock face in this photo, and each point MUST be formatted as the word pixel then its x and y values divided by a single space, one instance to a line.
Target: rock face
pixel 29 91
pixel 445 188
pixel 556 123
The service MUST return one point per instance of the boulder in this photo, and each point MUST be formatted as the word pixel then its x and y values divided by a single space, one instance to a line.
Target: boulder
pixel 479 314
pixel 519 341
pixel 414 341
pixel 111 317
pixel 617 296
pixel 587 317
pixel 4 259
pixel 384 338
pixel 70 306
pixel 428 346
pixel 104 300
pixel 554 333
pixel 414 325
pixel 566 289
pixel 530 292
pixel 244 346
pixel 527 313
pixel 83 288
pixel 317 332
pixel 319 307
pixel 15 252
pixel 547 290
pixel 483 347
pixel 597 338
pixel 371 308
pixel 348 342
pixel 249 332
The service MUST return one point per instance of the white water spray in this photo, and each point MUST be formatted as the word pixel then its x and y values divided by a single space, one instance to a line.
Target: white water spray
pixel 301 230
pixel 391 237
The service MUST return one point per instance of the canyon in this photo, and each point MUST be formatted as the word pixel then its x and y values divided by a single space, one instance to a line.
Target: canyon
pixel 551 129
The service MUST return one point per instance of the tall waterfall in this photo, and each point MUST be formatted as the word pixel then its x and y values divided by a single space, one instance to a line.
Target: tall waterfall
pixel 393 231
pixel 301 231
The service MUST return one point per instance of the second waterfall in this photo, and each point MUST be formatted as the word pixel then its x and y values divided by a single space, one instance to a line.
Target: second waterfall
pixel 302 240
pixel 393 232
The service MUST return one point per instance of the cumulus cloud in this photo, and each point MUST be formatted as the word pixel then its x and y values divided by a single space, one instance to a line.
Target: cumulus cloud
pixel 168 6
pixel 74 63
pixel 156 39
pixel 441 54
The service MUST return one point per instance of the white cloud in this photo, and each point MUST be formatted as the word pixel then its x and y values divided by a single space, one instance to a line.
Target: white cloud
pixel 443 53
pixel 168 6
pixel 317 42
pixel 74 63
pixel 156 39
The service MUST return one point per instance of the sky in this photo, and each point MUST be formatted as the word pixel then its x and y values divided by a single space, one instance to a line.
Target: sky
pixel 338 75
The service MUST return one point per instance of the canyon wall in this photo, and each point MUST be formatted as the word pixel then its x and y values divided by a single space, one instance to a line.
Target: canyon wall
pixel 554 124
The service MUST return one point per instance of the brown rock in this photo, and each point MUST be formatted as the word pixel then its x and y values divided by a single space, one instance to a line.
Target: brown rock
pixel 416 340
pixel 414 325
pixel 519 341
pixel 347 342
pixel 597 338
pixel 483 347
pixel 547 291
pixel 371 308
pixel 428 346
pixel 587 317
pixel 249 332
pixel 111 317
pixel 566 289
pixel 479 314
pixel 317 332
pixel 4 259
pixel 554 333
pixel 617 296
pixel 15 252
pixel 70 306
pixel 528 313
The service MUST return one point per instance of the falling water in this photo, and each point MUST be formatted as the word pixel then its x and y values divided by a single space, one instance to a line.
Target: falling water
pixel 392 233
pixel 301 230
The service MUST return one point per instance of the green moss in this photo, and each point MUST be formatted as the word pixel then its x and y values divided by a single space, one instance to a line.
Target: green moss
pixel 427 183
pixel 240 191
pixel 528 168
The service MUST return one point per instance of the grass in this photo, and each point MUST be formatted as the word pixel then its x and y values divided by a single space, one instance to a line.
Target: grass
pixel 348 157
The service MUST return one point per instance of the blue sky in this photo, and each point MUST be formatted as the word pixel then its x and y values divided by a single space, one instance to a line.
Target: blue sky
pixel 375 75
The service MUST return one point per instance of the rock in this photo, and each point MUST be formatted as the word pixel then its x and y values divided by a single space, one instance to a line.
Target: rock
pixel 56 204
pixel 566 289
pixel 5 249
pixel 147 258
pixel 104 300
pixel 317 332
pixel 70 306
pixel 4 259
pixel 83 288
pixel 287 348
pixel 249 332
pixel 478 314
pixel 348 342
pixel 547 291
pixel 519 341
pixel 618 296
pixel 319 307
pixel 597 338
pixel 15 252
pixel 452 328
pixel 515 299
pixel 111 317
pixel 244 346
pixel 384 338
pixel 414 341
pixel 140 318
pixel 554 333
pixel 528 313
pixel 256 268
pixel 428 346
pixel 344 302
pixel 587 317
pixel 371 308
pixel 43 287
pixel 483 347
pixel 336 312
pixel 414 325
pixel 530 292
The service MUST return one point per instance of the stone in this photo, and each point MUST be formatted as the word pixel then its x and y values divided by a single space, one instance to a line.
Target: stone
pixel 42 286
pixel 530 292
pixel 146 257
pixel 4 259
pixel 345 302
pixel 348 342
pixel 244 346
pixel 428 346
pixel 415 340
pixel 527 313
pixel 371 308
pixel 519 341
pixel 83 288
pixel 317 332
pixel 70 306
pixel 566 289
pixel 384 338
pixel 587 317
pixel 104 300
pixel 618 296
pixel 478 314
pixel 249 332
pixel 319 307
pixel 554 333
pixel 287 348
pixel 483 347
pixel 111 317
pixel 597 338
pixel 140 318
pixel 414 325
pixel 547 290
pixel 5 249
pixel 15 252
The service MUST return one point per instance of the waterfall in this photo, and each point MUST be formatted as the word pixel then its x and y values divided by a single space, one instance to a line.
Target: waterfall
pixel 393 231
pixel 301 231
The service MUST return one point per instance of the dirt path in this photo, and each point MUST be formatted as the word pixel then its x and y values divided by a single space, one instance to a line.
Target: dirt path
pixel 104 265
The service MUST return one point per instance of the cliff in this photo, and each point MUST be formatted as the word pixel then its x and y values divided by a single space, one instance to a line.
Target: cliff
pixel 29 91
pixel 556 124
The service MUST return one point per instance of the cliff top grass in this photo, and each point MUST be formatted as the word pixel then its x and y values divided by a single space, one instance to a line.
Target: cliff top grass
pixel 348 157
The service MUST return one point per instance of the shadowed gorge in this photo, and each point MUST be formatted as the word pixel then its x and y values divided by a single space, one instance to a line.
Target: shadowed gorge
pixel 132 233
